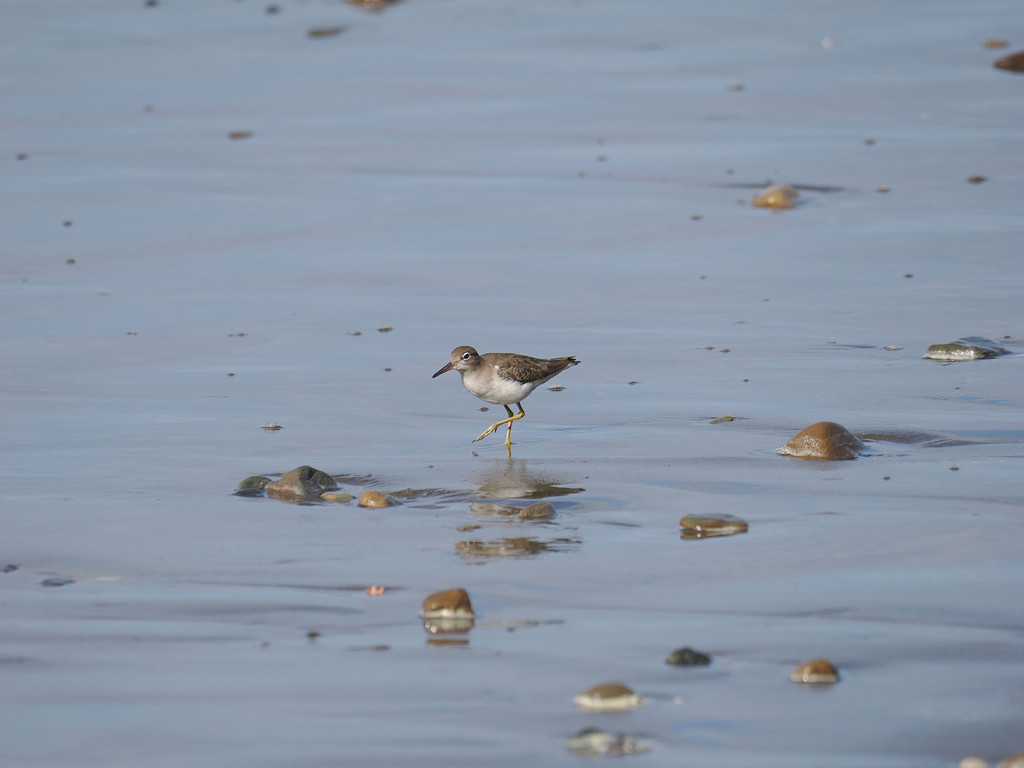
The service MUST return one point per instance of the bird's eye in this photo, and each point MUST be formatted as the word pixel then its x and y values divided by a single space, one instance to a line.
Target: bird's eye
pixel 466 355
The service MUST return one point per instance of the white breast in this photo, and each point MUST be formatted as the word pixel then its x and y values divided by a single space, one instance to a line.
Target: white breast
pixel 494 389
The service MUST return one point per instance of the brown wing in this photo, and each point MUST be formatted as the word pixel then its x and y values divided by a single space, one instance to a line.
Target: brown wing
pixel 525 369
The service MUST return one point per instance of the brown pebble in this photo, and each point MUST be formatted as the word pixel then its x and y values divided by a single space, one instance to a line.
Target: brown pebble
pixel 451 603
pixel 995 42
pixel 976 179
pixel 375 500
pixel 1012 63
pixel 325 31
pixel 539 511
pixel 824 440
pixel 815 671
pixel 778 196
pixel 1015 760
pixel 236 135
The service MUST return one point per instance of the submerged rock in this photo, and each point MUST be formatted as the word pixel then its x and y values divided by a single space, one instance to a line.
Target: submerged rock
pixel 325 31
pixel 815 671
pixel 339 497
pixel 967 348
pixel 373 5
pixel 301 484
pixel 56 581
pixel 778 196
pixel 539 511
pixel 593 742
pixel 490 508
pixel 824 440
pixel 608 697
pixel 687 657
pixel 252 485
pixel 703 526
pixel 376 500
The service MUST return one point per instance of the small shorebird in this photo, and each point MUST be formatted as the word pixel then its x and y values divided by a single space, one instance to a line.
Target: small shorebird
pixel 503 378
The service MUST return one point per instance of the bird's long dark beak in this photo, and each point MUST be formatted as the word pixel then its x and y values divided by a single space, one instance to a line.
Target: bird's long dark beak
pixel 443 370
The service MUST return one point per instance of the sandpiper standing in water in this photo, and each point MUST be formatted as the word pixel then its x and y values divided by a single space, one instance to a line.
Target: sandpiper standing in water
pixel 503 378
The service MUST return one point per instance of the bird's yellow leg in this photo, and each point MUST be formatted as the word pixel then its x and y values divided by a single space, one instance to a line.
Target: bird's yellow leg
pixel 509 420
pixel 508 435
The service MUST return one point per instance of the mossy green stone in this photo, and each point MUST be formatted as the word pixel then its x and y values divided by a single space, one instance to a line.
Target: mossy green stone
pixel 967 348
pixel 252 485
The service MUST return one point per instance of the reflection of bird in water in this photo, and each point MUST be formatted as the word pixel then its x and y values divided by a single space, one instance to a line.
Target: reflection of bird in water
pixel 506 547
pixel 510 479
pixel 503 378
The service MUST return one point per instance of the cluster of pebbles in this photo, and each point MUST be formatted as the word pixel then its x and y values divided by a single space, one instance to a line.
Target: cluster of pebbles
pixel 448 616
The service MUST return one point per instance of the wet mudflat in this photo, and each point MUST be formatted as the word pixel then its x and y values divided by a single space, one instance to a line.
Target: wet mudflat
pixel 549 179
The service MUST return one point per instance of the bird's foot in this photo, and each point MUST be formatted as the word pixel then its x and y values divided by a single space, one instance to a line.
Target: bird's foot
pixel 488 431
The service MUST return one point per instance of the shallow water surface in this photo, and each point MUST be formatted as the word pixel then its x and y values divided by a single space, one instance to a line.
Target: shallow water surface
pixel 557 178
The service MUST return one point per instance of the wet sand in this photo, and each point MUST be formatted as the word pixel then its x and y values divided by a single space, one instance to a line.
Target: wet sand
pixel 516 177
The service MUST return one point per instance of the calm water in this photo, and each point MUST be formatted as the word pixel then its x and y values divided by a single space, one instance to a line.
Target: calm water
pixel 518 177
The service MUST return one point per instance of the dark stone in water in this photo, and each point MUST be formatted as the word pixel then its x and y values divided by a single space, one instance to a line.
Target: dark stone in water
pixel 687 657
pixel 967 348
pixel 56 582
pixel 301 484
